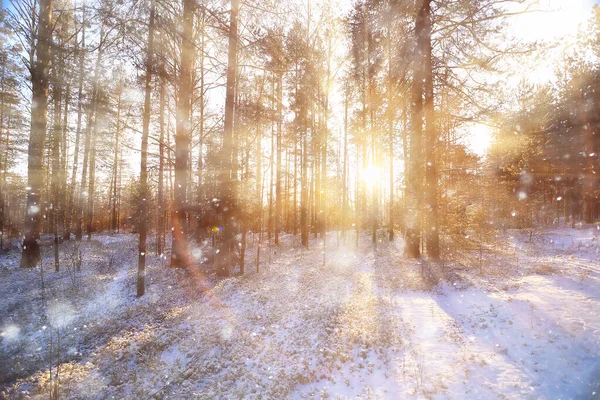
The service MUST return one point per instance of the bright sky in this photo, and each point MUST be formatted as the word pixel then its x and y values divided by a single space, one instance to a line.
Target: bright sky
pixel 558 23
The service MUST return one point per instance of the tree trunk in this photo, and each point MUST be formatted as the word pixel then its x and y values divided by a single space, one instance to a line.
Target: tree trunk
pixel 271 167
pixel 278 177
pixel 92 185
pixel 201 51
pixel 179 251
pixel 64 166
pixel 226 175
pixel 390 112
pixel 432 235
pixel 304 192
pixel 88 153
pixel 414 184
pixel 142 210
pixel 590 180
pixel 56 140
pixel 345 167
pixel 3 165
pixel 69 210
pixel 160 231
pixel 113 212
pixel 37 137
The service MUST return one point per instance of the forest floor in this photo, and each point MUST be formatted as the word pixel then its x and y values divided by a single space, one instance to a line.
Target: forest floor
pixel 523 322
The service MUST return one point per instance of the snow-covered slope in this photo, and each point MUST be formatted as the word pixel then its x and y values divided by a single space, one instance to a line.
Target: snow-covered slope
pixel 350 323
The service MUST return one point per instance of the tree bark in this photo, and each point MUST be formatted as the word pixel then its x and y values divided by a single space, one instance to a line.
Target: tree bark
pixel 414 184
pixel 37 137
pixel 160 231
pixel 69 210
pixel 278 177
pixel 142 210
pixel 56 140
pixel 4 161
pixel 89 152
pixel 226 179
pixel 345 169
pixel 390 113
pixel 179 251
pixel 201 51
pixel 115 171
pixel 304 192
pixel 432 238
pixel 92 185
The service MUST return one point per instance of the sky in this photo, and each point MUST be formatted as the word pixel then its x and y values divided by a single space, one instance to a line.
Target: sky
pixel 558 23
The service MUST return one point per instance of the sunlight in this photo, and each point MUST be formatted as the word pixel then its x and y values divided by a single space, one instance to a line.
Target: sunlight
pixel 558 21
pixel 371 175
pixel 480 138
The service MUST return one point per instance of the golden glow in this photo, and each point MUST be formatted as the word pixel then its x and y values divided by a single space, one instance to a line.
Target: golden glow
pixel 480 138
pixel 557 21
pixel 371 175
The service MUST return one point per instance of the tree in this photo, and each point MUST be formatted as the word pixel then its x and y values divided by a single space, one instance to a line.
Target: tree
pixel 431 203
pixel 414 181
pixel 11 114
pixel 37 138
pixel 144 157
pixel 80 51
pixel 226 176
pixel 179 251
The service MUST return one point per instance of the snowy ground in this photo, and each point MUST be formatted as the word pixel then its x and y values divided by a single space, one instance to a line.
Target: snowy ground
pixel 364 324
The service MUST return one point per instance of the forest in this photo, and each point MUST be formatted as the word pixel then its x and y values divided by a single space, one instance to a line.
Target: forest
pixel 306 199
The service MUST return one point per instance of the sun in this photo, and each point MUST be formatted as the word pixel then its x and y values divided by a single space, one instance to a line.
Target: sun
pixel 480 139
pixel 370 175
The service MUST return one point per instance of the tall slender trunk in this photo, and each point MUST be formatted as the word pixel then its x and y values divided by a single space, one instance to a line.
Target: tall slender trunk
pixel 357 196
pixel 304 192
pixel 414 184
pixel 226 179
pixel 279 137
pixel 56 140
pixel 391 126
pixel 160 234
pixel 113 212
pixel 179 252
pixel 316 176
pixel 345 169
pixel 89 215
pixel 201 51
pixel 324 148
pixel 304 205
pixel 590 180
pixel 119 190
pixel 3 165
pixel 432 236
pixel 88 153
pixel 72 192
pixel 37 137
pixel 3 194
pixel 374 189
pixel 271 168
pixel 297 149
pixel 64 167
pixel 259 160
pixel 170 190
pixel 142 210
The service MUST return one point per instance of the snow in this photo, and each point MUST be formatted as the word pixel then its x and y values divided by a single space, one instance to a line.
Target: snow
pixel 363 324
